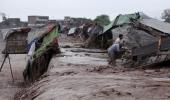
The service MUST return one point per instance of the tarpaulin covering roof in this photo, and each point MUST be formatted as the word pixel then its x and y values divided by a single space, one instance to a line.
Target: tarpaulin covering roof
pixel 49 35
pixel 72 31
pixel 124 19
pixel 7 32
pixel 156 24
pixel 40 32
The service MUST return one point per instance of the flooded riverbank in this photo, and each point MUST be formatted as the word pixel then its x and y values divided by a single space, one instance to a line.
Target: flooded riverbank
pixel 86 76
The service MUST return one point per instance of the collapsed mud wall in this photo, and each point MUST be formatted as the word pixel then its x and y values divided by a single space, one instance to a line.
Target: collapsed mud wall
pixel 42 48
pixel 40 65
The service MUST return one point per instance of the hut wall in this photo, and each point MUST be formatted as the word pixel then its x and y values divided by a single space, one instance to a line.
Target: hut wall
pixel 146 50
pixel 16 43
pixel 165 43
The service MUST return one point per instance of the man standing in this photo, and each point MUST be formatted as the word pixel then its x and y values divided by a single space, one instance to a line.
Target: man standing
pixel 115 50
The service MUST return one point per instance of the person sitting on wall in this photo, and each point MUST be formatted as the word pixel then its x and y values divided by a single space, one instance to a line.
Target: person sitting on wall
pixel 115 50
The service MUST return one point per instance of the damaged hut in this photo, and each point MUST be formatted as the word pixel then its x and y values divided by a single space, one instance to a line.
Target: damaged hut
pixel 75 31
pixel 107 37
pixel 146 39
pixel 15 40
pixel 158 29
pixel 92 33
pixel 43 43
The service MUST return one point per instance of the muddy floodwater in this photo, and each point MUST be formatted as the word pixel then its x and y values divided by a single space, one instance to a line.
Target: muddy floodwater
pixel 83 74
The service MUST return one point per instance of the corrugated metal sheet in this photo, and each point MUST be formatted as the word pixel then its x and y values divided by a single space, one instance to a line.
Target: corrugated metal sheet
pixel 156 24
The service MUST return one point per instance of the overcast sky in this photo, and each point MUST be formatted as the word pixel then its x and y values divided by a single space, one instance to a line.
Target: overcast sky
pixel 57 9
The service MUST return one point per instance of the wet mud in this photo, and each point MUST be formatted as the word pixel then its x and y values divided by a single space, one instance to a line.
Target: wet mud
pixel 83 74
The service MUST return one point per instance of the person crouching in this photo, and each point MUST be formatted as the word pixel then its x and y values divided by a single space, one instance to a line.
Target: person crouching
pixel 115 50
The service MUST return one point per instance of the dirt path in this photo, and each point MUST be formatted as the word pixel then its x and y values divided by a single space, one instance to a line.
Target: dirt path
pixel 7 88
pixel 86 76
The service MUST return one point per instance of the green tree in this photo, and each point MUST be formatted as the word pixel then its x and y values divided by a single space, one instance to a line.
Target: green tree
pixel 166 15
pixel 102 19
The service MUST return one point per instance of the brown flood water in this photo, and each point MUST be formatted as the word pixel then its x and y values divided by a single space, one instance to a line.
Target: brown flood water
pixel 82 74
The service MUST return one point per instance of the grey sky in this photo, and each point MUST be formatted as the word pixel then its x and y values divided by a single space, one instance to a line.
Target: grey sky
pixel 57 9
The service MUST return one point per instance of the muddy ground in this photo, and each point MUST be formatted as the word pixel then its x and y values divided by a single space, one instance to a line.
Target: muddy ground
pixel 8 88
pixel 83 74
